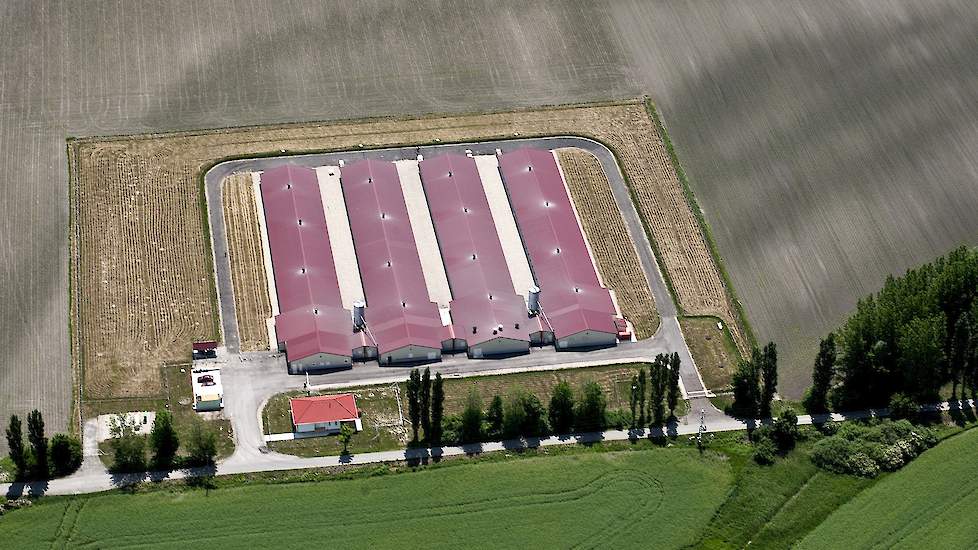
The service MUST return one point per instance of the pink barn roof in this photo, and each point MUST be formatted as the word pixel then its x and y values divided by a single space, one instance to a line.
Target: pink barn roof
pixel 399 311
pixel 312 319
pixel 571 296
pixel 482 288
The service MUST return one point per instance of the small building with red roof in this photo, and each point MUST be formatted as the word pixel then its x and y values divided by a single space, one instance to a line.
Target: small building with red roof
pixel 324 413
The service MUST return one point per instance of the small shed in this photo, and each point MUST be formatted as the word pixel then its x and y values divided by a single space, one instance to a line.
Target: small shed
pixel 204 349
pixel 325 413
pixel 208 392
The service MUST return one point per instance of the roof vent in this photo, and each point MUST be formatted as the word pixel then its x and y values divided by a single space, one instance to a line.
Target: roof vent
pixel 577 289
pixel 383 215
pixel 316 311
pixel 449 173
pixel 302 270
pixel 546 203
pixel 370 180
pixel 490 296
pixel 529 168
pixel 475 330
pixel 288 186
pixel 558 250
pixel 473 256
pixel 388 263
pixel 517 327
pixel 403 304
pixel 300 221
pixel 466 210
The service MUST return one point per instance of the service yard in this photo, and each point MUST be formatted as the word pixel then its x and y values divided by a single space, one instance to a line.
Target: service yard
pixel 171 261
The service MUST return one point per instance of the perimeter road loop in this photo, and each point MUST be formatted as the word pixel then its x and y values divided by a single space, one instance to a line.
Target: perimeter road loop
pixel 669 336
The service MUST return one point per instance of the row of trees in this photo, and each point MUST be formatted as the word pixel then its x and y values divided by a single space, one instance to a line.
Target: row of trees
pixel 426 402
pixel 522 414
pixel 41 459
pixel 129 447
pixel 755 383
pixel 916 335
pixel 660 389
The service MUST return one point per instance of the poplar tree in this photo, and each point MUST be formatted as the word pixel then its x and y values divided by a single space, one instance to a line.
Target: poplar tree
pixel 414 402
pixel 437 409
pixel 39 443
pixel 426 402
pixel 15 444
pixel 674 394
pixel 822 373
pixel 769 377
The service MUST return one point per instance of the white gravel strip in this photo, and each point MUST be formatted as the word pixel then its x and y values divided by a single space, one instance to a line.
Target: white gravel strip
pixel 267 260
pixel 424 232
pixel 502 217
pixel 340 237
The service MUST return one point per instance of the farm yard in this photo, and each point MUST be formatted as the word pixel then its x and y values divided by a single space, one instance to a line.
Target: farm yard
pixel 608 494
pixel 182 157
pixel 608 237
pixel 251 303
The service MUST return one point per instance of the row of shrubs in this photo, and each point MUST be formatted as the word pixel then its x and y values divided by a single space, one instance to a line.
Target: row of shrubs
pixel 867 450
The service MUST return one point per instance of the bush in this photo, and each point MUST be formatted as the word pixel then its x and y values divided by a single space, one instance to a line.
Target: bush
pixel 765 450
pixel 866 450
pixel 784 431
pixel 618 419
pixel 902 406
pixel 66 454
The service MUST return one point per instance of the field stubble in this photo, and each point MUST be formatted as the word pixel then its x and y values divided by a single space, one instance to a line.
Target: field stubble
pixel 251 303
pixel 608 237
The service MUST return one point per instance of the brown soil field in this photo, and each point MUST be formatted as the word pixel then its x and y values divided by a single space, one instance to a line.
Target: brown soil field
pixel 143 276
pixel 608 236
pixel 251 303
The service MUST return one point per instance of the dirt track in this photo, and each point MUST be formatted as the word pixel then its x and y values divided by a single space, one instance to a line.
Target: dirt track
pixel 251 303
pixel 610 243
pixel 170 166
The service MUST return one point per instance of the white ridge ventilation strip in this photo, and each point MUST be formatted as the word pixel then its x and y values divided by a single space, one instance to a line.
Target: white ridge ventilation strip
pixel 424 232
pixel 502 217
pixel 340 237
pixel 266 260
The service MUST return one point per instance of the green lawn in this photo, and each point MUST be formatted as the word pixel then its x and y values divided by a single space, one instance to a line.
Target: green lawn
pixel 646 498
pixel 927 504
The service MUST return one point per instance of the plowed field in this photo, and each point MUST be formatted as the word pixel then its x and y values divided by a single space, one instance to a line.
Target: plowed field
pixel 144 293
pixel 609 239
pixel 251 303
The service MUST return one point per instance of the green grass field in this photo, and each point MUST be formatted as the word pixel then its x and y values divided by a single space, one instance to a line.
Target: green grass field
pixel 612 499
pixel 927 504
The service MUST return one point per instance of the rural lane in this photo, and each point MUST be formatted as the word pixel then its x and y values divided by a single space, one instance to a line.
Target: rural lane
pixel 93 478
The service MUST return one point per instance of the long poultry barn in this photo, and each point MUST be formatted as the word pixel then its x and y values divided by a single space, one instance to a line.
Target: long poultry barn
pixel 487 314
pixel 399 313
pixel 581 312
pixel 313 329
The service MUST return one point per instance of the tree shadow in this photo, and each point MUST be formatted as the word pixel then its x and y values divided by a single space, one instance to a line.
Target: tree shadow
pixel 961 412
pixel 20 489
